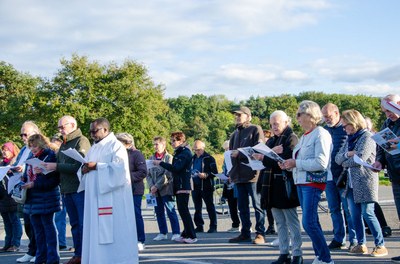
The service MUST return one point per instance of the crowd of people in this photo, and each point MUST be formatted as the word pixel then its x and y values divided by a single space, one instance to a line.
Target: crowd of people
pixel 101 186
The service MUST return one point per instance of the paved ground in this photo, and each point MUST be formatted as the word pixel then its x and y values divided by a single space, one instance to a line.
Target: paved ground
pixel 214 248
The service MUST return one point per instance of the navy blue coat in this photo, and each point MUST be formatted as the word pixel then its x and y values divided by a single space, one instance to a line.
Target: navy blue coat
pixel 44 197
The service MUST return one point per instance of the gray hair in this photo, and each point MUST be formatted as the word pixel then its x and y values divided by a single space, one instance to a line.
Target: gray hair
pixel 35 128
pixel 312 109
pixel 282 114
pixel 125 138
pixel 391 98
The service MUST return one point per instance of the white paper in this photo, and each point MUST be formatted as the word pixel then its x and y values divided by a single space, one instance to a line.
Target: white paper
pixel 381 138
pixel 221 176
pixel 228 161
pixel 266 151
pixel 73 153
pixel 3 171
pixel 37 163
pixel 253 163
pixel 149 164
pixel 150 200
pixel 13 180
pixel 359 161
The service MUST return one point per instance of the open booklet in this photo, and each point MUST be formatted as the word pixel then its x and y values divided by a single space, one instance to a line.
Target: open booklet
pixel 359 161
pixel 266 151
pixel 382 139
pixel 253 163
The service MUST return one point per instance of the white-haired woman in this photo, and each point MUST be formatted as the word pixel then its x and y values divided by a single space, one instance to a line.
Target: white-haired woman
pixel 310 162
pixel 278 190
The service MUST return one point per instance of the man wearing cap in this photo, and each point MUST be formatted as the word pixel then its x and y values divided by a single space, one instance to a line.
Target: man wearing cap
pixel 68 167
pixel 246 135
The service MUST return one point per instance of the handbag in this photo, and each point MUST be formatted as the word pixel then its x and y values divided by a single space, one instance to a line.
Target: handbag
pixel 317 176
pixel 342 179
pixel 291 191
pixel 19 194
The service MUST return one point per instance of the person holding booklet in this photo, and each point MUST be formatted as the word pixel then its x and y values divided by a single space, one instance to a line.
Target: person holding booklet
pixel 362 184
pixel 69 182
pixel 278 191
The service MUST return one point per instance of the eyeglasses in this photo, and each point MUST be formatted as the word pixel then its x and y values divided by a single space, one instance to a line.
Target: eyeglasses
pixel 23 135
pixel 96 130
pixel 62 126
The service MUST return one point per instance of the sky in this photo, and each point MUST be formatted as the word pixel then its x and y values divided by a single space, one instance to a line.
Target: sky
pixel 238 48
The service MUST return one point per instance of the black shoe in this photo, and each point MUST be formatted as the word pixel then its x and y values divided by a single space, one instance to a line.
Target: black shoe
pixel 62 247
pixel 283 259
pixel 297 260
pixel 212 230
pixel 240 239
pixel 396 259
pixel 199 229
pixel 386 231
pixel 334 245
pixel 270 230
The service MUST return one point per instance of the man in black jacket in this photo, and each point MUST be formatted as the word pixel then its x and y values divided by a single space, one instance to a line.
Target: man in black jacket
pixel 245 179
pixel 333 193
pixel 203 169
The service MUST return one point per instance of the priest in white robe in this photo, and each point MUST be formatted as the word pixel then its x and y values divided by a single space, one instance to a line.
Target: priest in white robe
pixel 109 228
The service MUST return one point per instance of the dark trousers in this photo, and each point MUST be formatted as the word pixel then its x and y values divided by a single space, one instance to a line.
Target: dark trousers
pixel 198 197
pixel 233 206
pixel 270 218
pixel 30 233
pixel 182 201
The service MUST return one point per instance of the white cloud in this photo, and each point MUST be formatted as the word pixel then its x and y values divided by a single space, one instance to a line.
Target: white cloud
pixel 375 89
pixel 294 75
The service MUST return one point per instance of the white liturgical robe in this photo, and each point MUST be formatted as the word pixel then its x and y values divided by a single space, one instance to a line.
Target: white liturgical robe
pixel 109 227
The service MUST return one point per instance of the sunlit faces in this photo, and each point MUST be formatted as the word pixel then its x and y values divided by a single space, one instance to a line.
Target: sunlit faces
pixel 241 118
pixel 392 116
pixel 331 117
pixel 176 143
pixel 6 153
pixel 278 124
pixel 97 132
pixel 65 127
pixel 35 149
pixel 348 128
pixel 26 132
pixel 159 146
pixel 304 121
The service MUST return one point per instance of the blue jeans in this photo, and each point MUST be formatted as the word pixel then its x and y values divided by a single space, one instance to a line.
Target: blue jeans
pixel 13 229
pixel 361 211
pixel 166 202
pixel 61 223
pixel 74 203
pixel 335 203
pixel 137 201
pixel 309 198
pixel 46 238
pixel 244 191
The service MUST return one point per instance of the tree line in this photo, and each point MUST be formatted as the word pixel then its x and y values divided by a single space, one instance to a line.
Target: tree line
pixel 127 96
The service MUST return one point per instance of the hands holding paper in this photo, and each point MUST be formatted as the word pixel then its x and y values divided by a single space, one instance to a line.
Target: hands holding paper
pixel 89 166
pixel 49 166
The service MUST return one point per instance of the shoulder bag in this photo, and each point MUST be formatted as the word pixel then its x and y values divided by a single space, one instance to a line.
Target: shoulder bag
pixel 317 176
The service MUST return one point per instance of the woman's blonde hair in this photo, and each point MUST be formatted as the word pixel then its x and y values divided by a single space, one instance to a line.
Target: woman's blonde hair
pixel 354 118
pixel 39 140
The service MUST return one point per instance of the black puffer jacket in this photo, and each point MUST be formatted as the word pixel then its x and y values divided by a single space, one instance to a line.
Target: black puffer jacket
pixel 44 197
pixel 180 168
pixel 7 204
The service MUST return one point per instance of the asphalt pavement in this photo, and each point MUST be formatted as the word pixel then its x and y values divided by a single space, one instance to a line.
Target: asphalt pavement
pixel 214 248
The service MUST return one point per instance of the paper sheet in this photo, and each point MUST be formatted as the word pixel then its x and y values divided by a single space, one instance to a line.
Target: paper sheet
pixel 73 153
pixel 358 160
pixel 37 163
pixel 228 160
pixel 266 151
pixel 3 171
pixel 221 176
pixel 253 163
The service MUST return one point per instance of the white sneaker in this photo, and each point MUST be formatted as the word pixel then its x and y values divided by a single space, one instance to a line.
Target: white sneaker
pixel 175 236
pixel 190 240
pixel 25 258
pixel 140 246
pixel 160 237
pixel 233 230
pixel 33 260
pixel 179 239
pixel 316 261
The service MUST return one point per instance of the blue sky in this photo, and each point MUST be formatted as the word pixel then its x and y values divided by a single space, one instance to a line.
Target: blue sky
pixel 239 48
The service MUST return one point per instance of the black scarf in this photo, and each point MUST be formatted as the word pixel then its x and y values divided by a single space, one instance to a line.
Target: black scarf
pixel 352 139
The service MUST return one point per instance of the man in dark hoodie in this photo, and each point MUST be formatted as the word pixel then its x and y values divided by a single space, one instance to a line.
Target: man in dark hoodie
pixel 68 167
pixel 246 135
pixel 203 169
